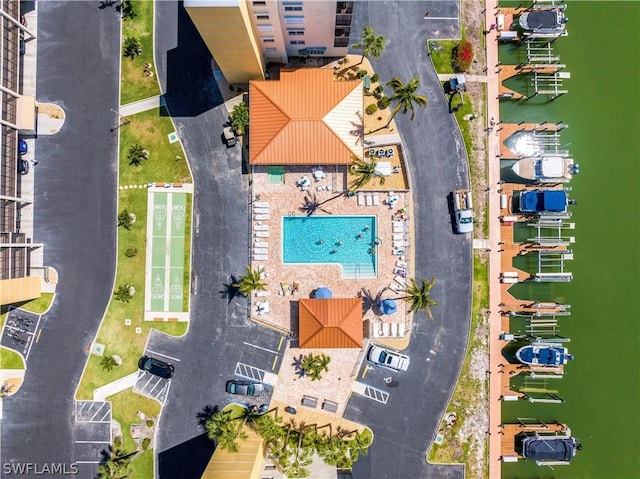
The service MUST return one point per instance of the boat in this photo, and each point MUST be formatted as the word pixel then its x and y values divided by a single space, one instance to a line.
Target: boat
pixel 550 449
pixel 549 21
pixel 544 354
pixel 544 201
pixel 548 169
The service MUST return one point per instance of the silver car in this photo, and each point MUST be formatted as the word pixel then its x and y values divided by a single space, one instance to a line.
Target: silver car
pixel 388 358
pixel 246 388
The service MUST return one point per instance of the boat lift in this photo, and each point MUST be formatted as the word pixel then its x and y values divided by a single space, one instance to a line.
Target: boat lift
pixel 549 232
pixel 545 5
pixel 552 260
pixel 541 324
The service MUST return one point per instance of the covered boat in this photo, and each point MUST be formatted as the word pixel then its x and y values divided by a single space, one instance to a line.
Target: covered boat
pixel 548 169
pixel 554 201
pixel 550 449
pixel 543 354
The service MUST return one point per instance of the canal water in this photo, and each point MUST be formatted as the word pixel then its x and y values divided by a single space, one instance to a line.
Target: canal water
pixel 601 385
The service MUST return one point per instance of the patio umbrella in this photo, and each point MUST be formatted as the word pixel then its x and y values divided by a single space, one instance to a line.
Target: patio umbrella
pixel 388 306
pixel 323 293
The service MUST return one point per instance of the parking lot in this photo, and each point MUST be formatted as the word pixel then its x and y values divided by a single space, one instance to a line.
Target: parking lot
pixel 91 435
pixel 19 331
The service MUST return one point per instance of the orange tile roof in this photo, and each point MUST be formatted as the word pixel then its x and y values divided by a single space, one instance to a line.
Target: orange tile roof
pixel 287 124
pixel 330 323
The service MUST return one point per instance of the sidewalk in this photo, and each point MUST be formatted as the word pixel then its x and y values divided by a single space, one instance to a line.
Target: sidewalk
pixel 142 105
pixel 119 385
pixel 493 145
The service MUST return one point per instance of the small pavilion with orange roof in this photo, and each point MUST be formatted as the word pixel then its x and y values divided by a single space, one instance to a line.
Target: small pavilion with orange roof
pixel 330 323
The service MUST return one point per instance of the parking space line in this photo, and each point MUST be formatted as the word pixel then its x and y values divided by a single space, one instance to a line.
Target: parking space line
pixel 273 366
pixel 163 355
pixel 96 413
pixel 106 414
pixel 280 342
pixel 38 336
pixel 260 347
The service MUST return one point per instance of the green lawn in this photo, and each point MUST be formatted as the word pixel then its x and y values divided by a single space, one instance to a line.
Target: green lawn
pixel 124 407
pixel 465 395
pixel 135 84
pixel 441 54
pixel 149 129
pixel 38 305
pixel 10 359
pixel 465 109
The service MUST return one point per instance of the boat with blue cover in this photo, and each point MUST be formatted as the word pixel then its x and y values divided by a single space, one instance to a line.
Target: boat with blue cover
pixel 544 201
pixel 543 354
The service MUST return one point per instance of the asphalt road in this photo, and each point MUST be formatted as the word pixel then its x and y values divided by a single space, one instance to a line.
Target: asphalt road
pixel 220 335
pixel 405 427
pixel 75 210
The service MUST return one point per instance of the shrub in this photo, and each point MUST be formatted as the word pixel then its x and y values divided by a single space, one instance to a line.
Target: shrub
pixel 361 74
pixel 132 47
pixel 150 423
pixel 462 56
pixel 384 102
pixel 240 118
pixel 375 77
pixel 124 220
pixel 131 252
pixel 128 12
pixel 145 443
pixel 371 109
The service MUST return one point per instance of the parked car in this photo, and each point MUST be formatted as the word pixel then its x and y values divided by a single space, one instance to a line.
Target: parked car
pixel 228 136
pixel 23 148
pixel 246 388
pixel 388 358
pixel 155 367
pixel 23 166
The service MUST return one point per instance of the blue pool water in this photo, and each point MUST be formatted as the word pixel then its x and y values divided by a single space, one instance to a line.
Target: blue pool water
pixel 346 240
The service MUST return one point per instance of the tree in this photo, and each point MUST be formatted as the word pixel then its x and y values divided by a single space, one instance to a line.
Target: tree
pixel 251 281
pixel 269 428
pixel 418 296
pixel 240 118
pixel 405 96
pixel 372 45
pixel 132 47
pixel 127 9
pixel 115 463
pixel 312 204
pixel 313 366
pixel 358 445
pixel 363 171
pixel 225 430
pixel 334 451
pixel 108 363
pixel 137 154
pixel 5 389
pixel 123 293
pixel 125 220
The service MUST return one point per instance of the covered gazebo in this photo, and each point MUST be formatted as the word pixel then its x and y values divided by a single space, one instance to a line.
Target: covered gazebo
pixel 330 323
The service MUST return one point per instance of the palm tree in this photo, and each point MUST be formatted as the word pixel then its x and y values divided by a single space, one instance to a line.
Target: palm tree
pixel 115 463
pixel 370 302
pixel 251 281
pixel 358 445
pixel 132 47
pixel 137 154
pixel 313 366
pixel 123 293
pixel 334 452
pixel 418 296
pixel 297 469
pixel 125 220
pixel 108 363
pixel 5 389
pixel 405 96
pixel 311 204
pixel 269 428
pixel 364 171
pixel 372 45
pixel 240 118
pixel 225 430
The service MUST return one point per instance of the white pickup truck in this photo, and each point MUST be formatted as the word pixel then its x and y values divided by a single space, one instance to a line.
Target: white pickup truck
pixel 463 211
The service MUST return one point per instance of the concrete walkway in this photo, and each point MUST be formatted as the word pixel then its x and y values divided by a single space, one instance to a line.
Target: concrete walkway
pixel 119 385
pixel 493 145
pixel 142 105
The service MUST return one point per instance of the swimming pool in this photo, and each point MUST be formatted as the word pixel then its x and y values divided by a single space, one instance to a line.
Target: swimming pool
pixel 346 240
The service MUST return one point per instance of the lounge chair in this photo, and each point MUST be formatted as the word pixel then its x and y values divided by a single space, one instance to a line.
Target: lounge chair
pixel 376 199
pixel 260 244
pixel 401 330
pixel 260 250
pixel 260 204
pixel 360 199
pixel 258 209
pixel 261 228
pixel 399 251
pixel 262 234
pixel 400 244
pixel 399 236
pixel 374 330
pixel 400 272
pixel 400 280
pixel 260 257
pixel 261 216
pixel 395 288
pixel 369 199
pixel 385 330
pixel 394 329
pixel 401 264
pixel 320 187
pixel 328 187
pixel 262 294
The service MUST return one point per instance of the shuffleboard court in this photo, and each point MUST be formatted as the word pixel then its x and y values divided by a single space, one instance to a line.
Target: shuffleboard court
pixel 165 253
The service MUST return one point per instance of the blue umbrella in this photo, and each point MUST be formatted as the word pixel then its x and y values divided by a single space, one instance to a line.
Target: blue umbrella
pixel 388 306
pixel 323 293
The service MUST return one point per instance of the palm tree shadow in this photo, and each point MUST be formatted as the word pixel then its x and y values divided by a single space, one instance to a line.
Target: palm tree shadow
pixel 207 412
pixel 230 291
pixel 370 302
pixel 297 364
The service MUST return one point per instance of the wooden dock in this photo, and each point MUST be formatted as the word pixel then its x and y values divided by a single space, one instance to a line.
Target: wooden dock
pixel 508 433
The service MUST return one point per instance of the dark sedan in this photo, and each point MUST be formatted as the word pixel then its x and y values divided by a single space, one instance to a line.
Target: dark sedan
pixel 155 367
